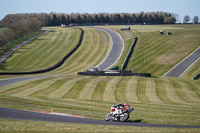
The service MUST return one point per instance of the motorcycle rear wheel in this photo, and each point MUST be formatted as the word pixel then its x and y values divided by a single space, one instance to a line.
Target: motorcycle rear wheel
pixel 125 117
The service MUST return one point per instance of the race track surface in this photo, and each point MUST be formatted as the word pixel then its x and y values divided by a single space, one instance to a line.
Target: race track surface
pixel 9 81
pixel 6 113
pixel 116 50
pixel 184 65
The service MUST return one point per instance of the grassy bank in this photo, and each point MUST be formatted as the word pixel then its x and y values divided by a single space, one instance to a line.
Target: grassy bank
pixel 43 52
pixel 156 100
pixel 155 53
pixel 14 43
pixel 10 126
pixel 47 50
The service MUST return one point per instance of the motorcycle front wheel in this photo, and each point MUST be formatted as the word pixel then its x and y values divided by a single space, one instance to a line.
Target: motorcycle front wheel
pixel 124 117
pixel 107 117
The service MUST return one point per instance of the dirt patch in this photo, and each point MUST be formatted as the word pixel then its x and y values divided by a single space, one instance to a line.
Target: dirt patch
pixel 168 59
pixel 127 35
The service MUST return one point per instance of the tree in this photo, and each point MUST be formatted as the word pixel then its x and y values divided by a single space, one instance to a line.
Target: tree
pixel 196 20
pixel 169 20
pixel 186 19
pixel 175 16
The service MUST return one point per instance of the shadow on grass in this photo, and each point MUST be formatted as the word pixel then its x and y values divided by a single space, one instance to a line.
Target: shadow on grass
pixel 3 66
pixel 41 39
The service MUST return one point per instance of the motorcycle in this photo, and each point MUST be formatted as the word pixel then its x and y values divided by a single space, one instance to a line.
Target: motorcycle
pixel 119 112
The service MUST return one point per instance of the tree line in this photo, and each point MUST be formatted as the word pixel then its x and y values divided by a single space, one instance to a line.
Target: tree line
pixel 105 18
pixel 18 25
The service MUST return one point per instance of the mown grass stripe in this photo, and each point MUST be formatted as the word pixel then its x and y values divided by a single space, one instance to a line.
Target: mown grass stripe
pixel 94 47
pixel 141 92
pixel 99 91
pixel 151 91
pixel 46 91
pixel 130 91
pixel 64 88
pixel 89 88
pixel 190 95
pixel 171 91
pixel 76 89
pixel 180 92
pixel 91 52
pixel 109 95
pixel 194 87
pixel 58 41
pixel 120 90
pixel 161 91
pixel 30 91
pixel 67 65
pixel 22 87
pixel 76 60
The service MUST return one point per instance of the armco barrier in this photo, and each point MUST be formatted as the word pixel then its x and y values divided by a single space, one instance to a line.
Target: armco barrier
pixel 114 73
pixel 197 76
pixel 52 67
pixel 124 65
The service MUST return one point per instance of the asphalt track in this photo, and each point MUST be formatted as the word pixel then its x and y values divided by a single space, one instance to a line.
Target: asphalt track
pixel 116 50
pixel 184 65
pixel 6 113
pixel 9 81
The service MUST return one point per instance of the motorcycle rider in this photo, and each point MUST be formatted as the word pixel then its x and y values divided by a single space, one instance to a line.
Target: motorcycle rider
pixel 118 106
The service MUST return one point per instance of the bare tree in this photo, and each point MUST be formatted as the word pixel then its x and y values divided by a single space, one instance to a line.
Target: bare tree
pixel 186 19
pixel 196 20
pixel 176 16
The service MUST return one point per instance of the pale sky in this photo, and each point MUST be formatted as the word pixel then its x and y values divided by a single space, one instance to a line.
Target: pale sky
pixel 181 7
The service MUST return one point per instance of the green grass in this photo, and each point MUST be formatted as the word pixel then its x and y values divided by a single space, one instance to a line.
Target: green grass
pixel 10 126
pixel 15 42
pixel 156 100
pixel 43 52
pixel 155 53
pixel 47 50
pixel 94 48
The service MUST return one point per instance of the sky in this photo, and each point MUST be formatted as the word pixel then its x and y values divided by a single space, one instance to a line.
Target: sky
pixel 181 7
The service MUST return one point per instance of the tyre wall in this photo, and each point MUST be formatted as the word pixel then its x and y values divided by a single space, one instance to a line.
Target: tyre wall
pixel 118 73
pixel 197 77
pixel 124 65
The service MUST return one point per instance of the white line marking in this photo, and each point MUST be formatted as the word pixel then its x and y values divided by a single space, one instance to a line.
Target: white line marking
pixel 182 61
pixel 112 47
pixel 190 66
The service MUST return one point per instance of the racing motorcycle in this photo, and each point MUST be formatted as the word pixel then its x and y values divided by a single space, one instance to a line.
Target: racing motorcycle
pixel 119 112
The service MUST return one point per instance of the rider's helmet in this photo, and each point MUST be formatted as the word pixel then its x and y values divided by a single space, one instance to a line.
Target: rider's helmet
pixel 112 109
pixel 126 105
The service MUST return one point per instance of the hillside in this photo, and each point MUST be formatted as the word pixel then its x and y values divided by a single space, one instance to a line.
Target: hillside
pixel 155 53
pixel 156 100
pixel 42 52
